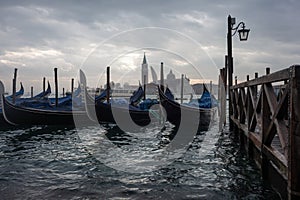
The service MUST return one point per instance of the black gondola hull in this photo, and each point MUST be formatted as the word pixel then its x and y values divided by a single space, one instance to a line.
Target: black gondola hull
pixel 178 114
pixel 3 122
pixel 18 115
pixel 106 113
pixel 103 112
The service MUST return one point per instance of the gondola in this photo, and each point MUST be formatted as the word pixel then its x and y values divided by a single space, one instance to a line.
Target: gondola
pixel 3 122
pixel 184 115
pixel 101 111
pixel 37 101
pixel 20 115
pixel 110 112
pixel 137 96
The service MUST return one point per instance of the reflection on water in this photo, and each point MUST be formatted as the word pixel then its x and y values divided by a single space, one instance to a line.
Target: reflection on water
pixel 52 163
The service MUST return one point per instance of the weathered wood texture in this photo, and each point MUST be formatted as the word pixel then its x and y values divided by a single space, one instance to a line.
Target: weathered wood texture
pixel 266 110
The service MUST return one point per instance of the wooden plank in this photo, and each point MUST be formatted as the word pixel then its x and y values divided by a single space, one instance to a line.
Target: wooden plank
pixel 242 106
pixel 276 157
pixel 255 139
pixel 265 108
pixel 253 97
pixel 271 97
pixel 274 77
pixel 236 102
pixel 245 104
pixel 249 109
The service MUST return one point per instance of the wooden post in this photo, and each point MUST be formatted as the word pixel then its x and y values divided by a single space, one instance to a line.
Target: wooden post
pixel 249 114
pixel 266 113
pixel 14 85
pixel 222 99
pixel 44 84
pixel 225 73
pixel 107 83
pixel 294 134
pixel 31 91
pixel 229 68
pixel 56 86
pixel 162 76
pixel 72 86
pixel 267 70
pixel 63 92
pixel 13 90
pixel 223 89
pixel 181 89
pixel 255 87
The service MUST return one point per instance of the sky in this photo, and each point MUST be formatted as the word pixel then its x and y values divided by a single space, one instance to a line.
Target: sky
pixel 189 37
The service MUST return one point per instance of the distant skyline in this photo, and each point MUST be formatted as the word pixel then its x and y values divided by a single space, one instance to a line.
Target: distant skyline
pixel 188 36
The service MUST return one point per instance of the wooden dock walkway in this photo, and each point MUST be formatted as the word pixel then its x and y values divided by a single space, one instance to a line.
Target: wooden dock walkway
pixel 266 117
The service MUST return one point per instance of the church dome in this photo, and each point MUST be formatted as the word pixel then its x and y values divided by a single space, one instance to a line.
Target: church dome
pixel 171 76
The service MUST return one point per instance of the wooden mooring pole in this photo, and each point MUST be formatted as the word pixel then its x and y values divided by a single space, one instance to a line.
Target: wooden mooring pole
pixel 56 87
pixel 222 98
pixel 44 84
pixel 229 66
pixel 181 89
pixel 31 91
pixel 14 85
pixel 266 117
pixel 107 84
pixel 162 76
pixel 72 86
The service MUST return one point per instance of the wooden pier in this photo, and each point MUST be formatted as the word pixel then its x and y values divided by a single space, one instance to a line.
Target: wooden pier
pixel 266 119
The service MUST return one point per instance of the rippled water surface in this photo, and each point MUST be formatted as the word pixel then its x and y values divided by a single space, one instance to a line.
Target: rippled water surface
pixel 65 163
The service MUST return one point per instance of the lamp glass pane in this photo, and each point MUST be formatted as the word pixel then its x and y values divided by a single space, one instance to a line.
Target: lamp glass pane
pixel 243 34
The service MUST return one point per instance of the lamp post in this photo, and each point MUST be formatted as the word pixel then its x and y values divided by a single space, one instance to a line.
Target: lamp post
pixel 243 35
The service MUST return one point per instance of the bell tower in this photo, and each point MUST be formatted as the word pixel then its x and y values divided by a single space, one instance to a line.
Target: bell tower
pixel 144 74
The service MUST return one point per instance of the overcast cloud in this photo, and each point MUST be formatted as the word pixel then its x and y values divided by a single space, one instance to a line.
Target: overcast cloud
pixel 190 38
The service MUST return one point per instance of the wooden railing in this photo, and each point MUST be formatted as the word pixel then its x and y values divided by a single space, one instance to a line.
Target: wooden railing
pixel 266 115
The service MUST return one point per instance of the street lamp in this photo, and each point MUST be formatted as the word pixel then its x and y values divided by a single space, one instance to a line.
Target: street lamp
pixel 243 35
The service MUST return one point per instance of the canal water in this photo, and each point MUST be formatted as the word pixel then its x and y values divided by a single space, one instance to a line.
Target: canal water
pixel 55 163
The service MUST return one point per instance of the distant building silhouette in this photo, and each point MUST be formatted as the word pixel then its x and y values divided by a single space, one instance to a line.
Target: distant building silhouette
pixel 175 83
pixel 171 81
